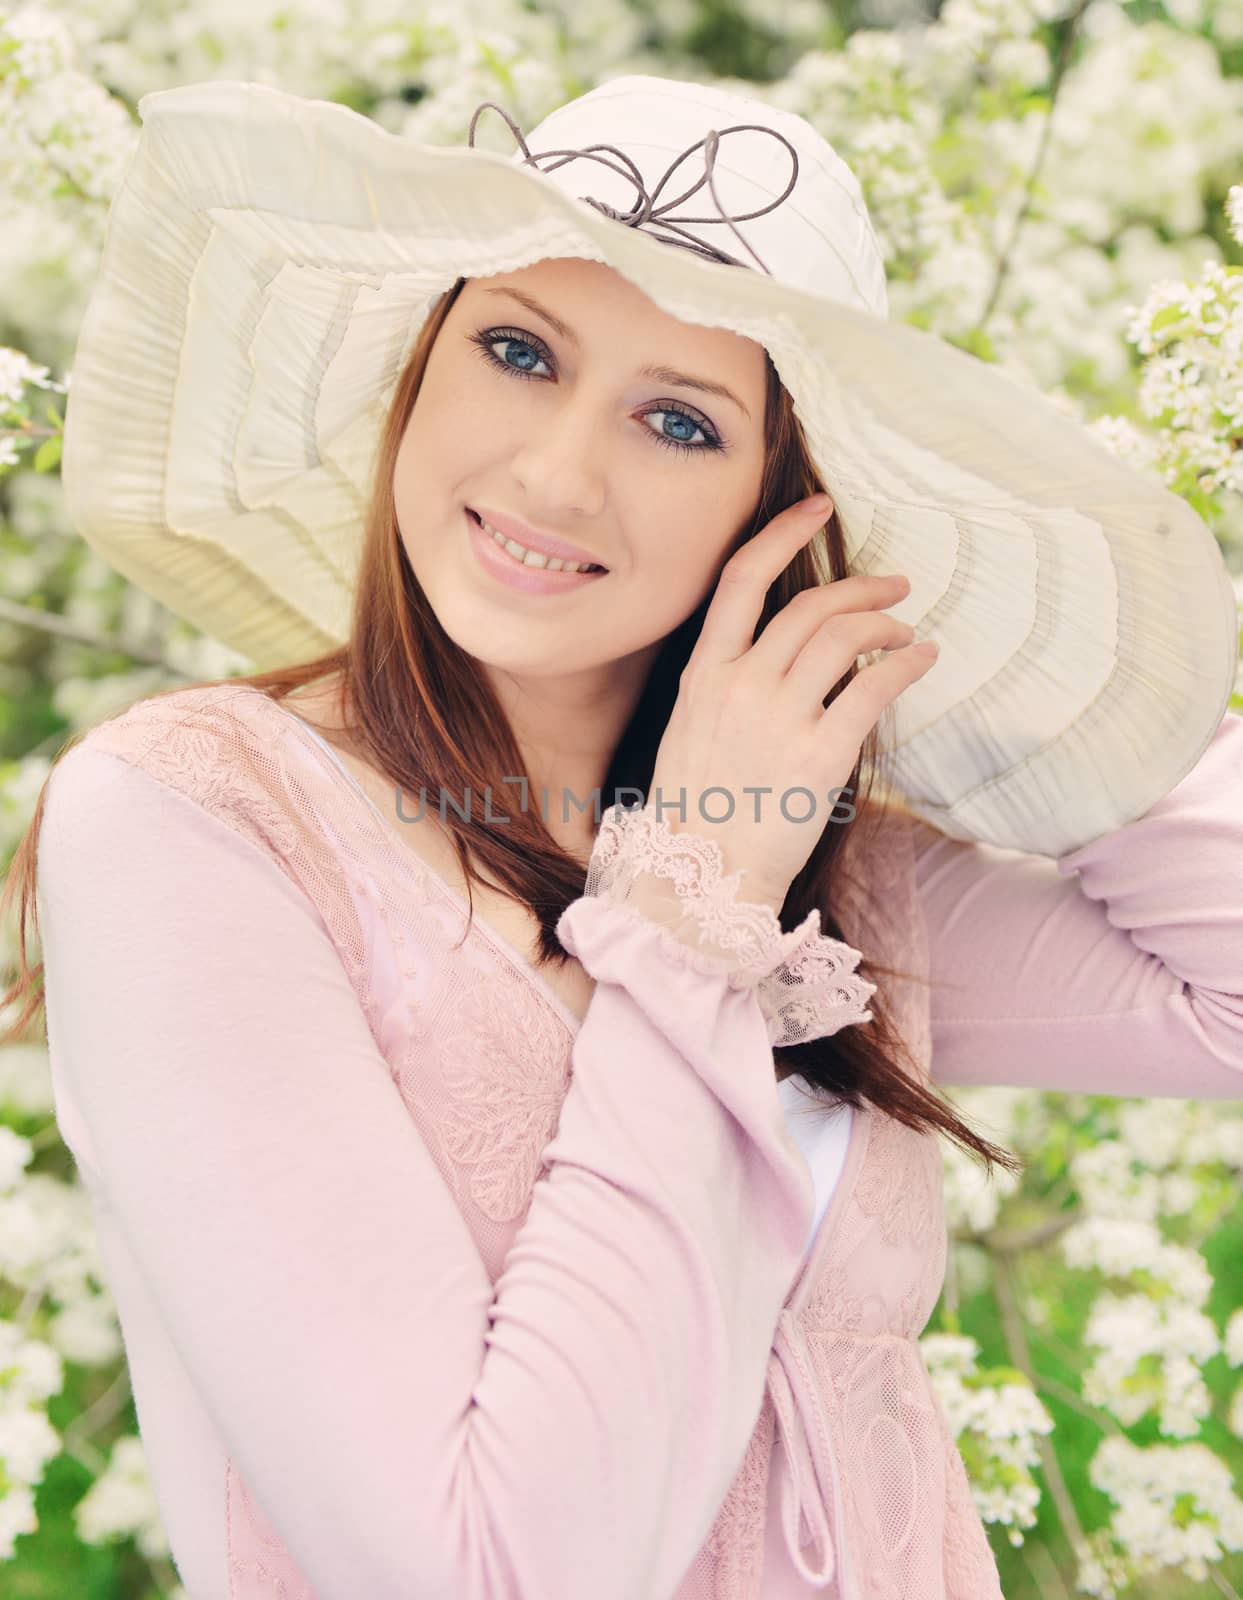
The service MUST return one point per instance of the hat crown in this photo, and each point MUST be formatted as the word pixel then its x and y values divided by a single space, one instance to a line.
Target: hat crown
pixel 818 238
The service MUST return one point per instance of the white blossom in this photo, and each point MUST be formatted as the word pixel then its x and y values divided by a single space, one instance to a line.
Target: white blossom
pixel 1175 1505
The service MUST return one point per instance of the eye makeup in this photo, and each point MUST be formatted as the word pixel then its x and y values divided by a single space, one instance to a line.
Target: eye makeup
pixel 487 337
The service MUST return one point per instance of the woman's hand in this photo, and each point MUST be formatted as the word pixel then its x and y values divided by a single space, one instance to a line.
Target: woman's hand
pixel 752 715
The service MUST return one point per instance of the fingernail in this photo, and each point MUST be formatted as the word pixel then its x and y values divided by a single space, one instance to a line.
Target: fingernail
pixel 819 502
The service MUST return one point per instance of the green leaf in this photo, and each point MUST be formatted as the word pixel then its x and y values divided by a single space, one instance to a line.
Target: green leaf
pixel 1007 1375
pixel 494 64
pixel 1167 317
pixel 978 343
pixel 1185 1511
pixel 47 456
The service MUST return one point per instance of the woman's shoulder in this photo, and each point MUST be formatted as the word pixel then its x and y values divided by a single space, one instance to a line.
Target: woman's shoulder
pixel 190 713
pixel 215 744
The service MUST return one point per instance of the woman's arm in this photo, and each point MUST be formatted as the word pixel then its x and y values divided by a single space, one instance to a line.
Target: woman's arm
pixel 1115 969
pixel 407 1429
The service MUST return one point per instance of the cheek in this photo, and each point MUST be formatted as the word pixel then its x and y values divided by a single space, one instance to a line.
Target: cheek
pixel 697 539
pixel 443 431
pixel 679 567
pixel 406 473
pixel 433 458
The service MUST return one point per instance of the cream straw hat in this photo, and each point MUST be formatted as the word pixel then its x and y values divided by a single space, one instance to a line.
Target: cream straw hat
pixel 270 260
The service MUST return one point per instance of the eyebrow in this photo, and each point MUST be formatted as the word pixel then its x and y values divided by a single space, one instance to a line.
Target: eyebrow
pixel 659 373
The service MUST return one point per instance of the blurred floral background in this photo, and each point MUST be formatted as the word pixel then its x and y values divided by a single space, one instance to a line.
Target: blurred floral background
pixel 1058 188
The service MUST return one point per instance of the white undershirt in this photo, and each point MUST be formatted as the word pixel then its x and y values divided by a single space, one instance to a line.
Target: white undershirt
pixel 822 1132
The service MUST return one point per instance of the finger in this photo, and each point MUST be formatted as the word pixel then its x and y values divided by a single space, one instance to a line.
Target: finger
pixel 850 610
pixel 833 648
pixel 863 701
pixel 734 612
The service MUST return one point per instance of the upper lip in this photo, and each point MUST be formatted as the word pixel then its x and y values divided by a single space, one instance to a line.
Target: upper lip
pixel 543 543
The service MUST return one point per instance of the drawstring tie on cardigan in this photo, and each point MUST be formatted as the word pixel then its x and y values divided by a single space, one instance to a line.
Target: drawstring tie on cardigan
pixel 806 1492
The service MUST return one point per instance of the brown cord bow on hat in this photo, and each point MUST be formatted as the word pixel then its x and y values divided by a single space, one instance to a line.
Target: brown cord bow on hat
pixel 645 208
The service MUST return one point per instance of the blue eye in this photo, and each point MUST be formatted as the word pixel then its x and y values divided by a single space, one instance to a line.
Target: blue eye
pixel 485 339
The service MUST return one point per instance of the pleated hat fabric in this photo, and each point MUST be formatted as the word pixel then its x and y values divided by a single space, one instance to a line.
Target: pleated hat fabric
pixel 269 261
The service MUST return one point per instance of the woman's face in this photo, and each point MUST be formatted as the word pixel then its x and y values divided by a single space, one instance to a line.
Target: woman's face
pixel 654 479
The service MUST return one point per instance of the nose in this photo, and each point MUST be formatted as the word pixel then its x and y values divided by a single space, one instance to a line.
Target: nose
pixel 562 460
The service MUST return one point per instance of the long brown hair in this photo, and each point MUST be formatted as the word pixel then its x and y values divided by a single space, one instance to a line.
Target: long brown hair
pixel 418 710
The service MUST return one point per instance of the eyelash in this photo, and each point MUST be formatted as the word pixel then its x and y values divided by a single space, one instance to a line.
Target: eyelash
pixel 490 336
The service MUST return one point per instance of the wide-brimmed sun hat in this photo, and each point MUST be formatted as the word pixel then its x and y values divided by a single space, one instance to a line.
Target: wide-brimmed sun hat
pixel 270 260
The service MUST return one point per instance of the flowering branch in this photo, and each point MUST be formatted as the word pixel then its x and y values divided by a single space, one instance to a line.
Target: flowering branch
pixel 1016 1345
pixel 1059 70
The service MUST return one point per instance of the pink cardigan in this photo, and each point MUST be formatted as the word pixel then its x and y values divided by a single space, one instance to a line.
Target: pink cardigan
pixel 822 1137
pixel 429 1291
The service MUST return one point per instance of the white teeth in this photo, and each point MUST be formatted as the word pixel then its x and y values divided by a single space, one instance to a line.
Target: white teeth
pixel 532 558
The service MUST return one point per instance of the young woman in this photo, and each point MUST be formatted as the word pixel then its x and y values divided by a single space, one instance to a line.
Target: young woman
pixel 581 1247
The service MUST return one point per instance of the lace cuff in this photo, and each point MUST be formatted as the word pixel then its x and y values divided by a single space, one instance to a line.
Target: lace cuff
pixel 805 981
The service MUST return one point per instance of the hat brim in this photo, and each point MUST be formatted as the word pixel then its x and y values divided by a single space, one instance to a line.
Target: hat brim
pixel 267 265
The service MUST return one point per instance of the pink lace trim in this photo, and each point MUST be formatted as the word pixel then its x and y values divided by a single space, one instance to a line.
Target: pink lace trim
pixel 805 980
pixel 259 1566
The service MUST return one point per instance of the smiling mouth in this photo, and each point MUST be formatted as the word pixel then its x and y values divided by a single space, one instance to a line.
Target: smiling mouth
pixel 581 568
